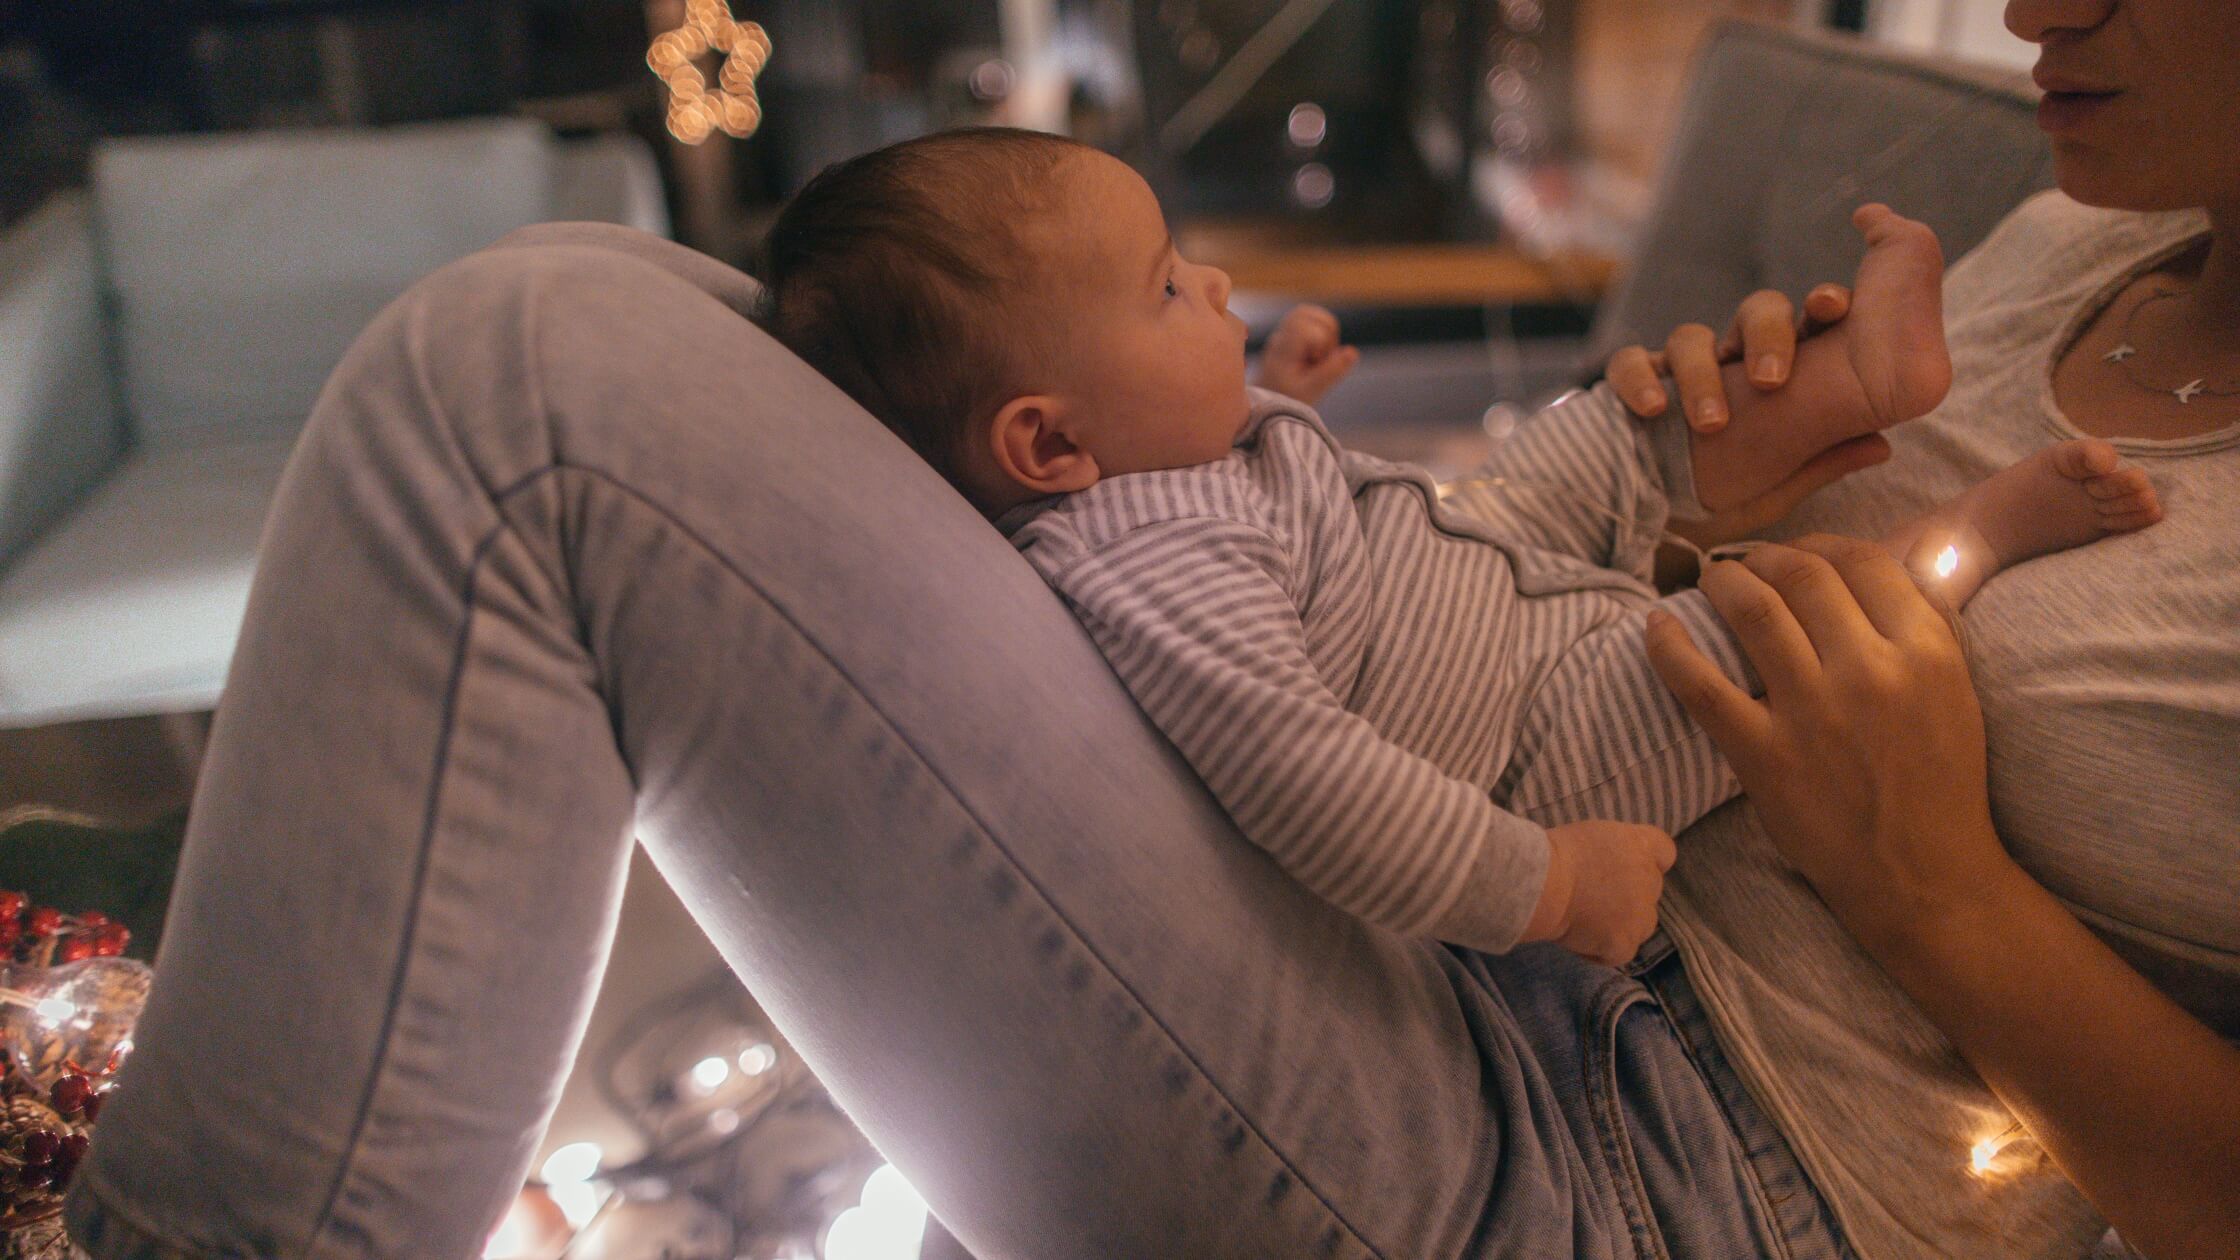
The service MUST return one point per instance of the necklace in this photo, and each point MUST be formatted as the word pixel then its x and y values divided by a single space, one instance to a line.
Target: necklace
pixel 2125 349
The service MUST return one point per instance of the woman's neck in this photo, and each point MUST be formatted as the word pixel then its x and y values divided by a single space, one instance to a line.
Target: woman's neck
pixel 2212 303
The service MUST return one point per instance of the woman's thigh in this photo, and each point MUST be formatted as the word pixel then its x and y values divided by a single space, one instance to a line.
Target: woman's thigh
pixel 530 588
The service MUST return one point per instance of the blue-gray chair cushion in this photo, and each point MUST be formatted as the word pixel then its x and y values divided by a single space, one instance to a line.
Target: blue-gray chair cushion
pixel 59 424
pixel 132 604
pixel 243 265
pixel 1783 134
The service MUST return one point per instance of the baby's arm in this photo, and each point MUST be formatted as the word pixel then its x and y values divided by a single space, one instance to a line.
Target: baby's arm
pixel 1197 619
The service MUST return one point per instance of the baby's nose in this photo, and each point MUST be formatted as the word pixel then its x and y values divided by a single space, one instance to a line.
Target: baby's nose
pixel 1220 287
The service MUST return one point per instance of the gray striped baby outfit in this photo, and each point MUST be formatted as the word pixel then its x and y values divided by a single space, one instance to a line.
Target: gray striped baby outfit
pixel 1385 692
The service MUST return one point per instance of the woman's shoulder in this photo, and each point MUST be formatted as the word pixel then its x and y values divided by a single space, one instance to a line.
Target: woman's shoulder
pixel 2053 238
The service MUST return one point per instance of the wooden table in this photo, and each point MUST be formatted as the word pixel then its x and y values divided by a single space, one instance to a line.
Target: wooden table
pixel 1437 274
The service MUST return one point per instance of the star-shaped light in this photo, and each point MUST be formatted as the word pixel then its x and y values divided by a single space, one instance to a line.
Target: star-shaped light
pixel 2186 391
pixel 730 106
pixel 2120 353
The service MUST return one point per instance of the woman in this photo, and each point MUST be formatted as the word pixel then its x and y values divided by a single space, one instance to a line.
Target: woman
pixel 2112 685
pixel 493 625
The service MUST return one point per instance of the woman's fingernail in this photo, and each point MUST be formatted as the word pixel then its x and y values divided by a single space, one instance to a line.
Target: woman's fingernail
pixel 1711 414
pixel 1654 402
pixel 1769 369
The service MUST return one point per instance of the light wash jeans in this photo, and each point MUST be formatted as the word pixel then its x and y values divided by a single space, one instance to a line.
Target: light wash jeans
pixel 537 579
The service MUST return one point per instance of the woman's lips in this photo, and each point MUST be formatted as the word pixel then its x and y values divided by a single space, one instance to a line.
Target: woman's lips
pixel 2067 111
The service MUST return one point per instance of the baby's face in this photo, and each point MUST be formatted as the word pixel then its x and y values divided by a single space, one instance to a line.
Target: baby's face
pixel 1147 356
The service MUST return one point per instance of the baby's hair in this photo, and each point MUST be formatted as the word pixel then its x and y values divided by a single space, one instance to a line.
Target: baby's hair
pixel 889 272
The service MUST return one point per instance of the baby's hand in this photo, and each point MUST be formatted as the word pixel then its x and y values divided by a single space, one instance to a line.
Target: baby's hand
pixel 1600 901
pixel 1303 357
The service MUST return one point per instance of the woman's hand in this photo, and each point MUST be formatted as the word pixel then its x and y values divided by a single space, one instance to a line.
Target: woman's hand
pixel 1764 333
pixel 1865 760
pixel 1304 357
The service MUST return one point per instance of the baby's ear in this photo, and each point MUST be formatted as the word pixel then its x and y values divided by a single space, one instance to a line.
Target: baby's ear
pixel 1034 448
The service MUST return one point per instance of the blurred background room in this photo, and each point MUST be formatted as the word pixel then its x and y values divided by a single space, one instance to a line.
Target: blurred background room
pixel 202 201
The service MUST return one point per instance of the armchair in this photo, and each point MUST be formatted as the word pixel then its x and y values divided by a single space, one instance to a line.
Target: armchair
pixel 162 336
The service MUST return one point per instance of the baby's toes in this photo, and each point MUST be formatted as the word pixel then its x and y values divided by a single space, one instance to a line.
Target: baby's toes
pixel 2086 459
pixel 2133 507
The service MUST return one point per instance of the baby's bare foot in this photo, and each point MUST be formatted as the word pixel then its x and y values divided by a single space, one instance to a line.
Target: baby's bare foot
pixel 1895 333
pixel 1883 365
pixel 2067 495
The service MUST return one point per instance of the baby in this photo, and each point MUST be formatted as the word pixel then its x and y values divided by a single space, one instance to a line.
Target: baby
pixel 1441 720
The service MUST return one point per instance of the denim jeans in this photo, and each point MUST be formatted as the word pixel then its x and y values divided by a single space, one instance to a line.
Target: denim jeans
pixel 559 561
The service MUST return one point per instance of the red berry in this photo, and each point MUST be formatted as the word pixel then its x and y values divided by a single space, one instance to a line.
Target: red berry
pixel 40 1146
pixel 70 1093
pixel 73 948
pixel 11 904
pixel 44 921
pixel 93 1105
pixel 92 919
pixel 66 1161
pixel 111 940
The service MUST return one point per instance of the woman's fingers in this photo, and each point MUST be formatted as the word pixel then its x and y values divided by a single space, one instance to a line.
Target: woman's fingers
pixel 1733 720
pixel 1887 594
pixel 1692 354
pixel 1762 623
pixel 1817 596
pixel 1633 375
pixel 1764 337
pixel 1825 305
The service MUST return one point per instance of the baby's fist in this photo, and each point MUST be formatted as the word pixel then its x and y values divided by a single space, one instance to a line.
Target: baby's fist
pixel 1603 882
pixel 1303 357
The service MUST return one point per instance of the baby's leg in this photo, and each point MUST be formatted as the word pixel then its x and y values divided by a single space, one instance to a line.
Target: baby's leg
pixel 1882 366
pixel 2067 495
pixel 1602 736
pixel 1581 478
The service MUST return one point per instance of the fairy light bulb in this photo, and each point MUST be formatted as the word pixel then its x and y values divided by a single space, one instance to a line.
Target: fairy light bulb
pixel 1980 1156
pixel 1946 562
pixel 709 1073
pixel 1983 1156
pixel 573 1163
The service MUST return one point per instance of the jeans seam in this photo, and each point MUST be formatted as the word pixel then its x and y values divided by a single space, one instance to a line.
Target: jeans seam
pixel 1633 1190
pixel 1780 1222
pixel 1779 1229
pixel 458 666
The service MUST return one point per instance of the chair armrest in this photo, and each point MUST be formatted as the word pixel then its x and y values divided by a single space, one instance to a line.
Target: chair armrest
pixel 60 426
pixel 1783 133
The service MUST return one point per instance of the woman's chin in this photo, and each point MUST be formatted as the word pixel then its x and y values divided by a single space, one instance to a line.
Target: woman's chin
pixel 2096 177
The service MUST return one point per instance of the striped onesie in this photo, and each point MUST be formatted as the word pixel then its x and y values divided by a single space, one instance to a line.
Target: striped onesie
pixel 1382 690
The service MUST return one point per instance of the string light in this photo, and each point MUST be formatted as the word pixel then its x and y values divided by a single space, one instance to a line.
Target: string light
pixel 1983 1157
pixel 50 1010
pixel 709 1073
pixel 698 109
pixel 889 1223
pixel 1947 561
